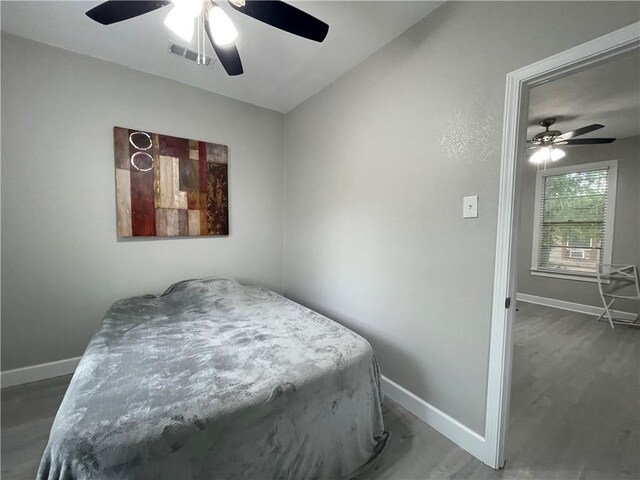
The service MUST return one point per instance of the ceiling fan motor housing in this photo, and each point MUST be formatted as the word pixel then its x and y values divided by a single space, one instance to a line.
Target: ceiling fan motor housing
pixel 548 135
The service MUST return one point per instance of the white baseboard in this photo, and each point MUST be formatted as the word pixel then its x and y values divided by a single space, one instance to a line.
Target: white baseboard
pixel 33 373
pixel 451 428
pixel 573 307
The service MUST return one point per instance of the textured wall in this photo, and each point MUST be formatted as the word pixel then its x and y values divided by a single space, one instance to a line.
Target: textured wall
pixel 377 164
pixel 626 235
pixel 62 263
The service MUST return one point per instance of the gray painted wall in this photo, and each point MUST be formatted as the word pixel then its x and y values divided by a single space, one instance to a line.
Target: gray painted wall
pixel 626 235
pixel 376 167
pixel 62 264
pixel 377 164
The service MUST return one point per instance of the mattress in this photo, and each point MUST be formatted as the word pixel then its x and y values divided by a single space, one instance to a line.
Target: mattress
pixel 213 379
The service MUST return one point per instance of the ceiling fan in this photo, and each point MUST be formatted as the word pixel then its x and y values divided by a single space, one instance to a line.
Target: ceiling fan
pixel 212 20
pixel 547 141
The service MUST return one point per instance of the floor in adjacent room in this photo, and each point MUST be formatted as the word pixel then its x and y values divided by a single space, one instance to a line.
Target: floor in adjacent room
pixel 574 411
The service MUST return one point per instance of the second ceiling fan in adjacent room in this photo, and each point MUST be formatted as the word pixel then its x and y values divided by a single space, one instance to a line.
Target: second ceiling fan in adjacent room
pixel 211 19
pixel 547 142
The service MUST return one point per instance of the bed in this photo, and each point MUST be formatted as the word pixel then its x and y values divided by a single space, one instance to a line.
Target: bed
pixel 213 379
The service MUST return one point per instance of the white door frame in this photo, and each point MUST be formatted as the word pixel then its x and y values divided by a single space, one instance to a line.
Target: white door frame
pixel 513 136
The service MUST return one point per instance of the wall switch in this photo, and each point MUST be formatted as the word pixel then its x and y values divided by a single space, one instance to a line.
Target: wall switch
pixel 470 207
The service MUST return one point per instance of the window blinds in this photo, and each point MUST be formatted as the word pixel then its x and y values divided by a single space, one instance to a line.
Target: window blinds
pixel 573 221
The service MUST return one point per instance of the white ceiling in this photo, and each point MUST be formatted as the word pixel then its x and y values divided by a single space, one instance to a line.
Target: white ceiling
pixel 608 94
pixel 281 70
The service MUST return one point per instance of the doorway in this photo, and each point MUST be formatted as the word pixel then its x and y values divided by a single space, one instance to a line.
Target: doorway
pixel 519 85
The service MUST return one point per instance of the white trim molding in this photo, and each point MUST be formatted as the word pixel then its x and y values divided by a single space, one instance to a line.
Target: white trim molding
pixel 34 373
pixel 518 84
pixel 565 276
pixel 448 426
pixel 574 307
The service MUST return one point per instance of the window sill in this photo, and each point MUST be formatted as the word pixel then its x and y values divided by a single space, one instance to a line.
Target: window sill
pixel 566 276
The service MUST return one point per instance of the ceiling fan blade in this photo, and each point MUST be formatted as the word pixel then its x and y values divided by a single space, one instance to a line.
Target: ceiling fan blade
pixel 229 58
pixel 580 131
pixel 285 17
pixel 113 11
pixel 588 141
pixel 227 54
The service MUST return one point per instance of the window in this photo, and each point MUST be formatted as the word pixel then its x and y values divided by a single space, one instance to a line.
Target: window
pixel 573 220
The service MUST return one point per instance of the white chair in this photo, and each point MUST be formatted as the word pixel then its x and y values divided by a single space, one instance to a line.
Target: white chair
pixel 618 282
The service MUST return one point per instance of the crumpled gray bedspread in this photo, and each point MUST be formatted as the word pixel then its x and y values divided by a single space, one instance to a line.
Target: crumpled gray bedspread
pixel 213 379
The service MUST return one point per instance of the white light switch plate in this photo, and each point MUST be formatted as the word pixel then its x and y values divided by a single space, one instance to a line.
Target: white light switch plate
pixel 470 207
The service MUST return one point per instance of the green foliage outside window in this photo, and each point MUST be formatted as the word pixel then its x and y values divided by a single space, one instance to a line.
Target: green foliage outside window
pixel 573 220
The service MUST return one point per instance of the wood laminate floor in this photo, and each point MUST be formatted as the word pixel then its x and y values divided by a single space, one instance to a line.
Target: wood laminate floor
pixel 575 411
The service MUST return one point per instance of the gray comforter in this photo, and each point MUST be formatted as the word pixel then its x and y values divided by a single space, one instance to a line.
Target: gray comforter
pixel 216 380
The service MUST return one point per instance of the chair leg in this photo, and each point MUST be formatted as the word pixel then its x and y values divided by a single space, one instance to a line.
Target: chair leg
pixel 606 310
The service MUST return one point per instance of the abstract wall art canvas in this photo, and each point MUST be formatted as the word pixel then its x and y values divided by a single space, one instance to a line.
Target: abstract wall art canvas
pixel 169 186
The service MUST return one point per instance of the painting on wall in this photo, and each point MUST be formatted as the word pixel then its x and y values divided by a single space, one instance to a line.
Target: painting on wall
pixel 169 186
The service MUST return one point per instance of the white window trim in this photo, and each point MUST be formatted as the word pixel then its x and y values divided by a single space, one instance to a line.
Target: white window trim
pixel 612 181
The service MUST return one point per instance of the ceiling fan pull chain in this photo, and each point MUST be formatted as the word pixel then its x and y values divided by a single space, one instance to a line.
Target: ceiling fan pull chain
pixel 203 44
pixel 199 39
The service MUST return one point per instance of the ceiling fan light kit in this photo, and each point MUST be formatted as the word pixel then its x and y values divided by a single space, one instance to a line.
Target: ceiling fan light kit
pixel 189 8
pixel 545 154
pixel 222 28
pixel 546 143
pixel 213 21
pixel 180 24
